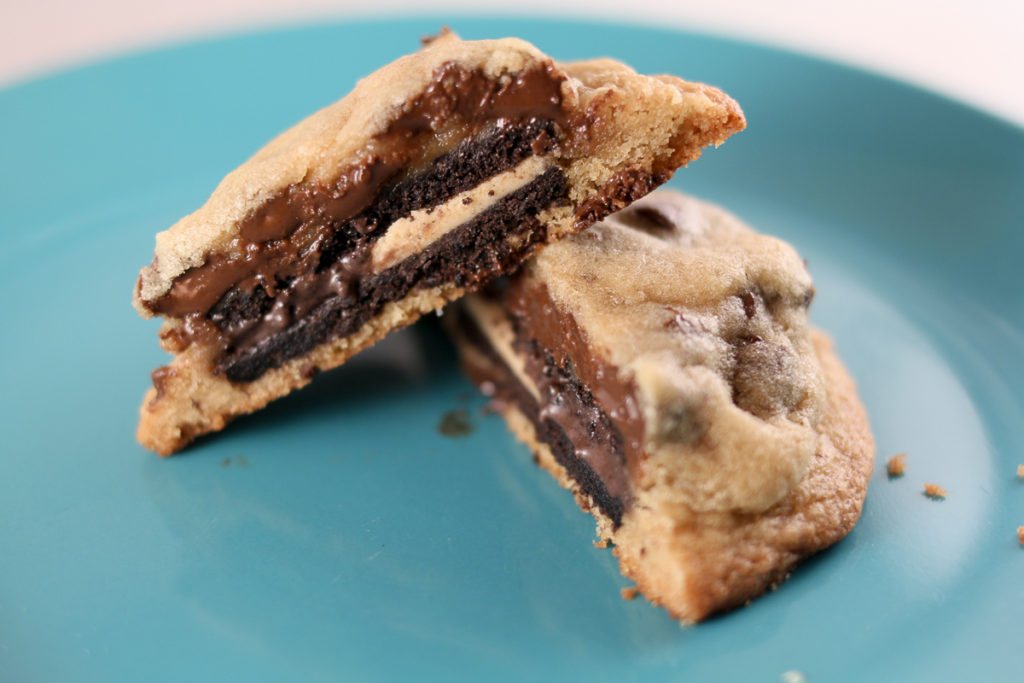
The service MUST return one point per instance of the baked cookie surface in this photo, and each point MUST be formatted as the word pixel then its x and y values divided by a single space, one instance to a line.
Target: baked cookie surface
pixel 437 173
pixel 660 365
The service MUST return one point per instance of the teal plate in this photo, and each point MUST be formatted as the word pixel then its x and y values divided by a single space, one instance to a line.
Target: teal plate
pixel 339 535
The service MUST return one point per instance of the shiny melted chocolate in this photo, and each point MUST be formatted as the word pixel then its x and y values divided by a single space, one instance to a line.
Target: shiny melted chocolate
pixel 538 317
pixel 464 257
pixel 311 243
pixel 305 216
pixel 578 431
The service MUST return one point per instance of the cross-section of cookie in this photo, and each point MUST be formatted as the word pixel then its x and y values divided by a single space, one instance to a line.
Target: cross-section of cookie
pixel 435 174
pixel 660 365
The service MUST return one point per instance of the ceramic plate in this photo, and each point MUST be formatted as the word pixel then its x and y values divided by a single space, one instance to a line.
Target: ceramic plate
pixel 341 535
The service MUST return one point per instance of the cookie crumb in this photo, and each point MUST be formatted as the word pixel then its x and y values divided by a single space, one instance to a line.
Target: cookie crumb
pixel 1020 471
pixel 896 465
pixel 934 491
pixel 601 543
pixel 793 676
pixel 1020 534
pixel 455 423
pixel 630 592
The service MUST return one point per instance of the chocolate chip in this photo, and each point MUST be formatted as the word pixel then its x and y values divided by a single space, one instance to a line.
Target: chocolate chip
pixel 749 304
pixel 646 219
pixel 764 381
pixel 160 377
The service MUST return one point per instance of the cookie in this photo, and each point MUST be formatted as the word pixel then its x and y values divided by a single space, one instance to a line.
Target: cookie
pixel 660 365
pixel 435 174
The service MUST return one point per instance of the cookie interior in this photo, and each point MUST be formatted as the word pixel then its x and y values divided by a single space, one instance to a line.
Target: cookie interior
pixel 698 417
pixel 453 197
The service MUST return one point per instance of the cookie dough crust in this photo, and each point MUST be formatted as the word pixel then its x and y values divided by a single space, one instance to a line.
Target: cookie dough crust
pixel 743 440
pixel 695 564
pixel 187 400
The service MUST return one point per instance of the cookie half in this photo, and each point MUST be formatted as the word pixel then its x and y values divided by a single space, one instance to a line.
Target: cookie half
pixel 438 172
pixel 660 365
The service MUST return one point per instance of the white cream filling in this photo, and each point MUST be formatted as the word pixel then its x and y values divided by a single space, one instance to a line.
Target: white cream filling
pixel 494 324
pixel 419 230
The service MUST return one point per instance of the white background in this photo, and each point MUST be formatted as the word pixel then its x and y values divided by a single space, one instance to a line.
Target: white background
pixel 970 50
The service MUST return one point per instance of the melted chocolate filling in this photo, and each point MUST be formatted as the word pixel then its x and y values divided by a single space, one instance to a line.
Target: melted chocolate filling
pixel 323 289
pixel 580 434
pixel 458 102
pixel 301 262
pixel 465 167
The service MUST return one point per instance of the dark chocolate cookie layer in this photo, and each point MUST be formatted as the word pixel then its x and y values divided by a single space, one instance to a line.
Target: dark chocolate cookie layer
pixel 499 149
pixel 469 254
pixel 579 433
pixel 321 287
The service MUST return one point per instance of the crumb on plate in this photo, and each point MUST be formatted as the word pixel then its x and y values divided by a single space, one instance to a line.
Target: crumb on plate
pixel 1020 534
pixel 630 592
pixel 1020 471
pixel 896 465
pixel 934 491
pixel 793 676
pixel 601 543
